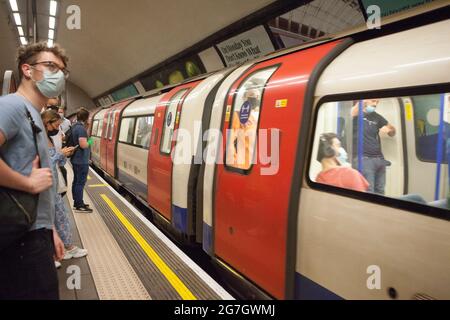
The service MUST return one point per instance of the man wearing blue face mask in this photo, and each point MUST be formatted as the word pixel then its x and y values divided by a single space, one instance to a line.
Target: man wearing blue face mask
pixel 27 269
pixel 373 162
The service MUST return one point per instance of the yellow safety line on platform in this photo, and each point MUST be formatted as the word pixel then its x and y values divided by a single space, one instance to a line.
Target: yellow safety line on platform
pixel 97 185
pixel 89 177
pixel 173 279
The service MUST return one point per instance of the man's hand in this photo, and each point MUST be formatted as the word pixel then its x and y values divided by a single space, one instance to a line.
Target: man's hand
pixel 389 130
pixel 59 246
pixel 40 179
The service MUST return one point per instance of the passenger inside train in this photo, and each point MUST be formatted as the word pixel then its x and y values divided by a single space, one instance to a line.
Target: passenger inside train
pixel 335 169
pixel 403 147
pixel 367 154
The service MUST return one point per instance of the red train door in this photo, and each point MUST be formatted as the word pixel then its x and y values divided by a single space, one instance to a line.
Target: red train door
pixel 113 134
pixel 104 138
pixel 251 192
pixel 159 165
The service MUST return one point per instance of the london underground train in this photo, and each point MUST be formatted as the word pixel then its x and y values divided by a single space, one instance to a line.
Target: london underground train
pixel 257 208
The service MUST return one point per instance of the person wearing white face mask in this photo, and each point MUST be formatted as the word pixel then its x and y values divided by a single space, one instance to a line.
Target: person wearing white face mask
pixel 373 164
pixel 65 125
pixel 342 157
pixel 27 269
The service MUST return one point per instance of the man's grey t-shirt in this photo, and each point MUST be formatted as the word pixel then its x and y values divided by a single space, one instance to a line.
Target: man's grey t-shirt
pixel 19 150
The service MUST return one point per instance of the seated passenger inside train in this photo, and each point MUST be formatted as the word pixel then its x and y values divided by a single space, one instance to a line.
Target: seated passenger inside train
pixel 417 154
pixel 335 169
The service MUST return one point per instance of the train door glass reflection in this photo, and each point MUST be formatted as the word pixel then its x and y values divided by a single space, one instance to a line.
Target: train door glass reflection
pixel 143 132
pixel 111 126
pixel 126 130
pixel 100 128
pixel 397 147
pixel 244 120
pixel 94 128
pixel 108 126
pixel 169 122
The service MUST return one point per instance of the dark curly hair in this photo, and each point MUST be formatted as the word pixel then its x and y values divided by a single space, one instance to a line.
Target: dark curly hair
pixel 28 54
pixel 325 146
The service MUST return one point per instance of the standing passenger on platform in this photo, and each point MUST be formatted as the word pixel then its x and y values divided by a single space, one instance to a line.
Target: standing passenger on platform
pixel 65 124
pixel 27 270
pixel 80 160
pixel 58 158
pixel 58 139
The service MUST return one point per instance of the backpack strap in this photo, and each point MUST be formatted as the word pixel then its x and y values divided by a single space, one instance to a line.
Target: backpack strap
pixel 35 129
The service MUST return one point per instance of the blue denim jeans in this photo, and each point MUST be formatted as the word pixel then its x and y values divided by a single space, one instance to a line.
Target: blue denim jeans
pixel 80 172
pixel 374 170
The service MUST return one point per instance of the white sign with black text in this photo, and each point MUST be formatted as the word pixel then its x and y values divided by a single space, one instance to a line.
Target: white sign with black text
pixel 246 46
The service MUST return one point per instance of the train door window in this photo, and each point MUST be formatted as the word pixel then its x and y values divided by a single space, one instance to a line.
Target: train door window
pixel 94 128
pixel 111 125
pixel 364 145
pixel 143 131
pixel 169 122
pixel 100 128
pixel 126 130
pixel 241 140
pixel 108 122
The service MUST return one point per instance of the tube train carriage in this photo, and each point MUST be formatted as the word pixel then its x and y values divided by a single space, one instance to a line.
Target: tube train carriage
pixel 268 222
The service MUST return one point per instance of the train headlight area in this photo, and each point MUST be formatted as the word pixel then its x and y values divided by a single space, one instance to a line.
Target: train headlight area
pixel 301 152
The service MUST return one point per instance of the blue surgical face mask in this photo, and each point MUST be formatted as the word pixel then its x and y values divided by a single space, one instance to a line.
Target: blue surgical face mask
pixel 342 156
pixel 370 108
pixel 52 84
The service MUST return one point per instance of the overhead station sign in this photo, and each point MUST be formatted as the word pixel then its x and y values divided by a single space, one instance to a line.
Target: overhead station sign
pixel 389 7
pixel 249 45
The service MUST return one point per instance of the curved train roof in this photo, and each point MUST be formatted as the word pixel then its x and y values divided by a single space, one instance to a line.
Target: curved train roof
pixel 142 106
pixel 435 6
pixel 420 56
pixel 100 114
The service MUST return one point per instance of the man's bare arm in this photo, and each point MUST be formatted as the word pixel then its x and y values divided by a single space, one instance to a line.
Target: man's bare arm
pixel 389 130
pixel 38 181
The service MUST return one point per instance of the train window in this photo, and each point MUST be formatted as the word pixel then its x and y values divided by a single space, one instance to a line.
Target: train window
pixel 169 122
pixel 143 131
pixel 244 120
pixel 108 126
pixel 94 128
pixel 112 123
pixel 426 119
pixel 100 128
pixel 370 146
pixel 126 130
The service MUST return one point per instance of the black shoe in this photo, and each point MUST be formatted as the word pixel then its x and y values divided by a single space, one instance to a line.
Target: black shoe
pixel 83 209
pixel 84 205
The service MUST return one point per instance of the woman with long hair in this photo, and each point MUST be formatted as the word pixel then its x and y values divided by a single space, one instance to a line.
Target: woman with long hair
pixel 51 120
